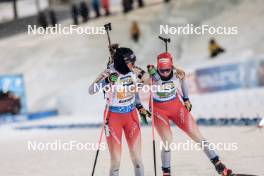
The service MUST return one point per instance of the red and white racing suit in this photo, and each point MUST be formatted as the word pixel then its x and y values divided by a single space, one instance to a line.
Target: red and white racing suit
pixel 168 107
pixel 122 117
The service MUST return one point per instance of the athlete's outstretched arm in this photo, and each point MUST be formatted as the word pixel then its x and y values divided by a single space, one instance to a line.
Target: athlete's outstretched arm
pixel 99 82
pixel 184 87
pixel 95 87
pixel 185 91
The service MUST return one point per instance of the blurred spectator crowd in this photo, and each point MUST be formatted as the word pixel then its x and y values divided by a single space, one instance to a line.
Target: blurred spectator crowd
pixel 83 11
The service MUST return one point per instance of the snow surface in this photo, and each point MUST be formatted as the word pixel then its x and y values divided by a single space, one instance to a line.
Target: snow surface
pixel 18 160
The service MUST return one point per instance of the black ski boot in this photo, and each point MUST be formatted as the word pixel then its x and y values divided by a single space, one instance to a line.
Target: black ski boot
pixel 166 171
pixel 220 167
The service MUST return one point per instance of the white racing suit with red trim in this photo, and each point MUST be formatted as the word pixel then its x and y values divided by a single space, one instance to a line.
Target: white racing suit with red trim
pixel 122 117
pixel 168 107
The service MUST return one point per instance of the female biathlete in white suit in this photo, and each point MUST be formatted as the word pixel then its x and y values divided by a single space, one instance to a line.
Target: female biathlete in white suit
pixel 122 114
pixel 168 107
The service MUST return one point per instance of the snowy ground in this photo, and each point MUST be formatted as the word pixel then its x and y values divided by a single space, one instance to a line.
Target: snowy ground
pixel 16 160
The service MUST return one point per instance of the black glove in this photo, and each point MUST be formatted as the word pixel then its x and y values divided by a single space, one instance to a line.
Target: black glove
pixel 187 104
pixel 143 113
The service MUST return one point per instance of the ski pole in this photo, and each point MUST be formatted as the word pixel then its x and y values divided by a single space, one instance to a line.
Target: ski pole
pixel 105 121
pixel 153 130
pixel 166 41
pixel 104 127
pixel 100 139
pixel 108 28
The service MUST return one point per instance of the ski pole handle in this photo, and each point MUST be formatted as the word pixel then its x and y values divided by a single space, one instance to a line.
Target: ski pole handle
pixel 166 41
pixel 108 28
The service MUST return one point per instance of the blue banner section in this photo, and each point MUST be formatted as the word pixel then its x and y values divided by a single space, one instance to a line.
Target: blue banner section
pixel 220 78
pixel 12 95
pixel 43 114
pixel 247 74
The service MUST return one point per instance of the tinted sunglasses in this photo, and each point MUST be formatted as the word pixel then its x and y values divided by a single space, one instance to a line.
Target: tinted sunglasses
pixel 165 70
pixel 130 59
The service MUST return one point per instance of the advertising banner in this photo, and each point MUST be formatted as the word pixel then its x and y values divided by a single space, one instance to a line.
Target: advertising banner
pixel 220 78
pixel 12 95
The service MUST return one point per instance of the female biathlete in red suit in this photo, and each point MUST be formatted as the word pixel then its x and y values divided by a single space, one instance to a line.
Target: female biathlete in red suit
pixel 168 107
pixel 122 114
